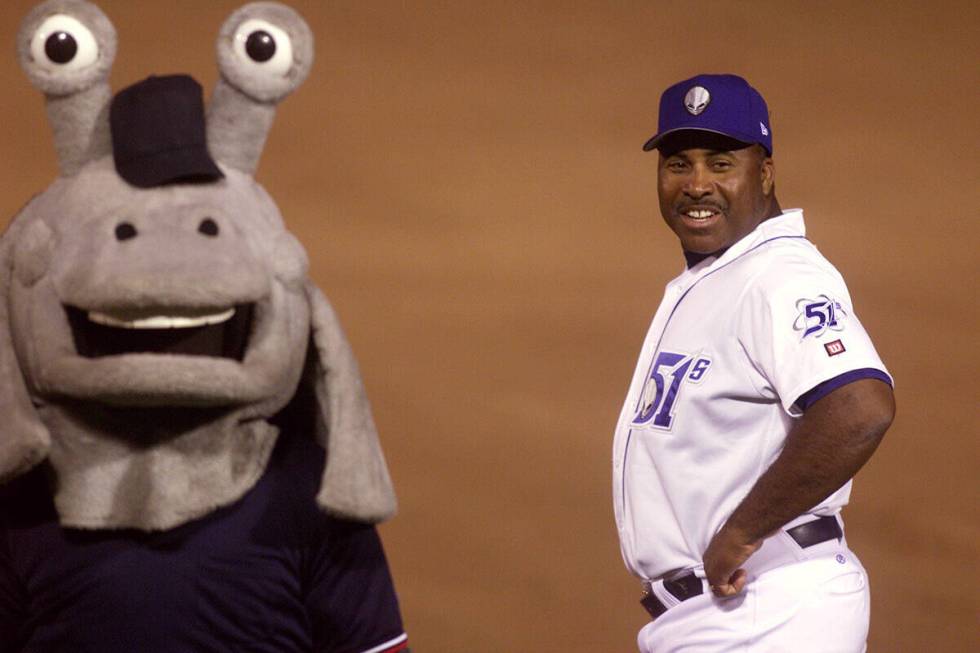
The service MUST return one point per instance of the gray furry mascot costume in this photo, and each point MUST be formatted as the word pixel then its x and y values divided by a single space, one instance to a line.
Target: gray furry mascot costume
pixel 187 458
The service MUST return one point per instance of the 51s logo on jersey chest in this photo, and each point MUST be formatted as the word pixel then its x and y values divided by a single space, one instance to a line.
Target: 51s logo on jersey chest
pixel 670 371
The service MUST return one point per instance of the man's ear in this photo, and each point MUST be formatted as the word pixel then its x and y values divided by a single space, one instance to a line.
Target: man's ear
pixel 355 483
pixel 24 440
pixel 768 175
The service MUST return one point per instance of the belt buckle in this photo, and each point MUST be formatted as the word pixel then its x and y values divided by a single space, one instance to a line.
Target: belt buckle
pixel 674 591
pixel 653 605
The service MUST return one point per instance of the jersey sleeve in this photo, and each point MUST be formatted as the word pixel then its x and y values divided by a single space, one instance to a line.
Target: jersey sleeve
pixel 351 599
pixel 798 329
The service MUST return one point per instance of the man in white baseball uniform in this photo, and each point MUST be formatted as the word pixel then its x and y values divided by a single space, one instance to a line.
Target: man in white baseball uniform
pixel 756 398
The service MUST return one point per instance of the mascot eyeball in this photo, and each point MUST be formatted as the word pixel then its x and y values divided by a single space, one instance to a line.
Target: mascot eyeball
pixel 157 320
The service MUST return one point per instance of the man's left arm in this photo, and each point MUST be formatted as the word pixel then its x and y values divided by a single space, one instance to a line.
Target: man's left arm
pixel 826 447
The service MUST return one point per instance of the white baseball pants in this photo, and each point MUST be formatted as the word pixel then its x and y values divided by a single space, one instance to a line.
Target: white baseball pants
pixel 821 605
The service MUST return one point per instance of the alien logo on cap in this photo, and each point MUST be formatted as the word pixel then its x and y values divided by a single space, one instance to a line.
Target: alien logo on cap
pixel 697 100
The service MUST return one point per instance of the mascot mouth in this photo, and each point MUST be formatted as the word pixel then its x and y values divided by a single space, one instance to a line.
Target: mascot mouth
pixel 222 333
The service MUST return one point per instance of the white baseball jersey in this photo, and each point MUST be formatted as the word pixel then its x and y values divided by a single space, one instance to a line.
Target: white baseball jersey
pixel 735 342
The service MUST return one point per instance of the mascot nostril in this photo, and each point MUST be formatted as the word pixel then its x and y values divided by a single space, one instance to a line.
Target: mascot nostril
pixel 208 227
pixel 125 231
pixel 181 411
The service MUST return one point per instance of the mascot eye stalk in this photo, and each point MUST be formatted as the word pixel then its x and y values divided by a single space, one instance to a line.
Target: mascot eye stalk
pixel 169 370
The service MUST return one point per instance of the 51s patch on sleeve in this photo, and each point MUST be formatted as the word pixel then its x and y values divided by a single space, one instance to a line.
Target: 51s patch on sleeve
pixel 817 316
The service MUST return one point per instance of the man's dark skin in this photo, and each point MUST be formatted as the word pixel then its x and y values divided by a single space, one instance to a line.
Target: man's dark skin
pixel 713 192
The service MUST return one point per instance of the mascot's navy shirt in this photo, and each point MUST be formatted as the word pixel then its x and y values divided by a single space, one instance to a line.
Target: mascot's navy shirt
pixel 270 572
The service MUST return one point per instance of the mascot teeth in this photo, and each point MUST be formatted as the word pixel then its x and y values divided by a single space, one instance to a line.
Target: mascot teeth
pixel 161 321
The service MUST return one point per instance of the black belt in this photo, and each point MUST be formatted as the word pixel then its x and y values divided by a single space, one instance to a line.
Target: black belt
pixel 690 585
pixel 816 531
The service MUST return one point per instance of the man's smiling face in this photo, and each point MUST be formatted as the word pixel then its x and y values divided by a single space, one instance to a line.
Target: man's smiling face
pixel 712 196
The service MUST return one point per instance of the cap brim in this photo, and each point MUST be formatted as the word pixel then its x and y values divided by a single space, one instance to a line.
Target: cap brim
pixel 183 165
pixel 657 139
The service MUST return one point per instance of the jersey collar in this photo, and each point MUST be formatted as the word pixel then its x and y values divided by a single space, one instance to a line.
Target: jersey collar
pixel 788 224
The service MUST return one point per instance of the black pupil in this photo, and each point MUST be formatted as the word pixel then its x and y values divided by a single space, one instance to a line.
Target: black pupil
pixel 208 227
pixel 260 46
pixel 60 47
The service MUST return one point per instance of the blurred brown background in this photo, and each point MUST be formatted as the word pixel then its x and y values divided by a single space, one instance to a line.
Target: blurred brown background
pixel 468 180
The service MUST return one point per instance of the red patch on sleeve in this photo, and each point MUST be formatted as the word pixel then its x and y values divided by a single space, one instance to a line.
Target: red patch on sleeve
pixel 834 348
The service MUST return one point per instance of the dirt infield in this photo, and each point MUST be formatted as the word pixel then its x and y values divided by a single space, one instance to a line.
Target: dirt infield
pixel 468 181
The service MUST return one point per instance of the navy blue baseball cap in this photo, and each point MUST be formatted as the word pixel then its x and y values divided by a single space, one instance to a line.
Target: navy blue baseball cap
pixel 720 104
pixel 159 134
